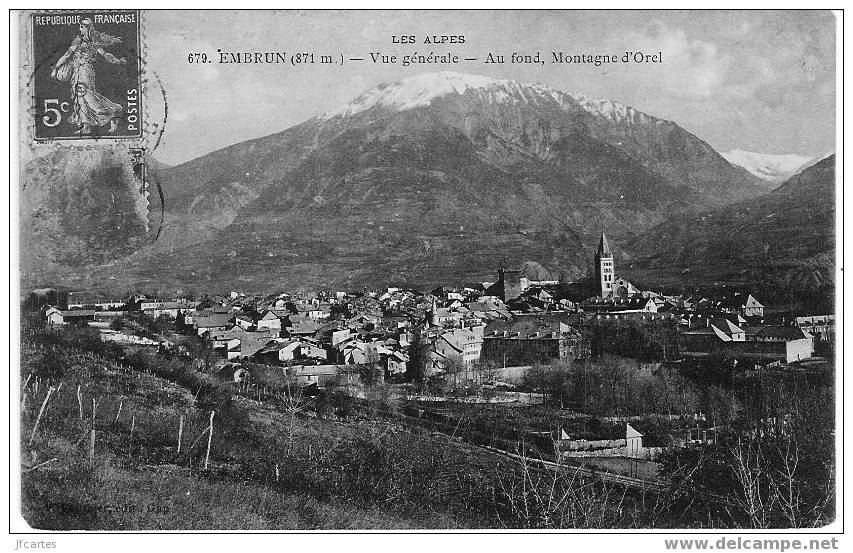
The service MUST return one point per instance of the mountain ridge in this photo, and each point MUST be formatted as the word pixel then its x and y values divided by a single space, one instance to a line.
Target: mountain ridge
pixel 435 193
pixel 778 242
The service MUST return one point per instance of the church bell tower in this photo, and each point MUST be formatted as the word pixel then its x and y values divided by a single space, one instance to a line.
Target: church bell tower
pixel 604 270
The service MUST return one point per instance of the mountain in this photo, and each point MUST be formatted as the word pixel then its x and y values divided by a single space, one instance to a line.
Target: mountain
pixel 780 243
pixel 434 179
pixel 157 165
pixel 770 167
pixel 78 209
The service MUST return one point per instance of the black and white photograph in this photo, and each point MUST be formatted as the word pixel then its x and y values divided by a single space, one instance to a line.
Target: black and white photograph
pixel 427 270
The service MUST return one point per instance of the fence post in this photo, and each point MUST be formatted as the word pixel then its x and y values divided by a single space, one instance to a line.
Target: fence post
pixel 41 412
pixel 180 432
pixel 92 446
pixel 120 405
pixel 80 401
pixel 209 440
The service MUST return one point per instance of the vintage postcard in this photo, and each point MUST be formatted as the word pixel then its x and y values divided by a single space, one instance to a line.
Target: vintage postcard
pixel 404 270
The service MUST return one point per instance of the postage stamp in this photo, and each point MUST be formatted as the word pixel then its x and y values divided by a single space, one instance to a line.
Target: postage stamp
pixel 87 81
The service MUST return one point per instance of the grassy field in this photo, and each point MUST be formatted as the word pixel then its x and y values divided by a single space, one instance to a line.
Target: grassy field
pixel 266 470
pixel 636 468
pixel 139 480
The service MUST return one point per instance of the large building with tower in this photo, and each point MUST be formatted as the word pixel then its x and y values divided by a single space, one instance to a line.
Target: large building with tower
pixel 604 270
pixel 509 285
pixel 607 283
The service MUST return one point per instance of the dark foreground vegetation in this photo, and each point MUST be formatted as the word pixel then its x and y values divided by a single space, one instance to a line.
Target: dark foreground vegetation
pixel 294 462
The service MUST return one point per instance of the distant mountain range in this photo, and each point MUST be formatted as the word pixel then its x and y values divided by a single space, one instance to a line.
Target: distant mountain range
pixel 771 167
pixel 435 179
pixel 779 243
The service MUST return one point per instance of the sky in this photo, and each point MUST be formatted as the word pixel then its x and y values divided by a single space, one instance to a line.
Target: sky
pixel 760 81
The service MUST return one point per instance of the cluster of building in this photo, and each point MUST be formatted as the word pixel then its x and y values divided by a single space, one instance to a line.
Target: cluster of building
pixel 455 329
pixel 732 325
pixel 513 321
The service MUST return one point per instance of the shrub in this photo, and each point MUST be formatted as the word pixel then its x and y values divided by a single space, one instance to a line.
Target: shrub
pixel 50 365
pixel 342 403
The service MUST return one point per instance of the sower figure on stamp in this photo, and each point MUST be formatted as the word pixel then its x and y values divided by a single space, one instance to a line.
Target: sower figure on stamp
pixel 77 66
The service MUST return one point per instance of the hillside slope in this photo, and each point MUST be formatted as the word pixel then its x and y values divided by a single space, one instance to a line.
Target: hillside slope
pixel 256 479
pixel 783 241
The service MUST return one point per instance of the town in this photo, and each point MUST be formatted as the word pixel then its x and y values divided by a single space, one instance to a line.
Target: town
pixel 621 383
pixel 504 326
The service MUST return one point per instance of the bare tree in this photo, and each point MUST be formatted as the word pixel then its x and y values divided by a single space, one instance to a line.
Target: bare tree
pixel 293 404
pixel 556 496
pixel 784 481
pixel 454 365
pixel 749 470
pixel 416 368
pixel 371 372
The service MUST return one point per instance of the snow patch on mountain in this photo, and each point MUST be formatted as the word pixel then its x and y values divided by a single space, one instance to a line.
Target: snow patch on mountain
pixel 412 92
pixel 421 90
pixel 612 111
pixel 775 168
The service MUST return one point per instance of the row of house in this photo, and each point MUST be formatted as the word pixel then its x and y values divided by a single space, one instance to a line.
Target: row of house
pixel 766 342
pixel 301 333
pixel 822 327
pixel 57 317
